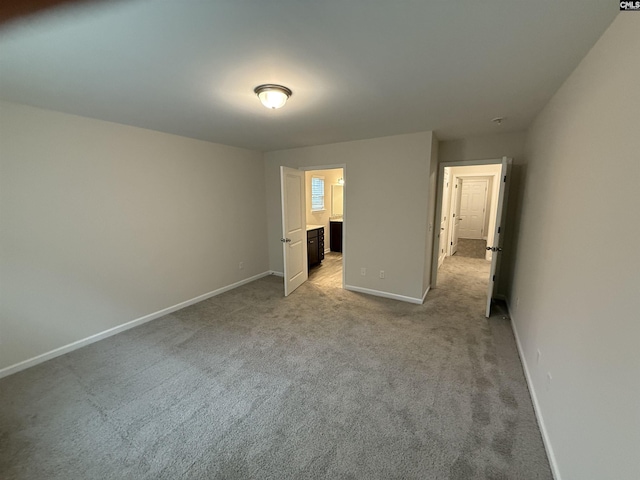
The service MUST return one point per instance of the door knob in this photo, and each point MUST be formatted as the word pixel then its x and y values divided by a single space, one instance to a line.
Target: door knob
pixel 442 228
pixel 495 249
pixel 283 240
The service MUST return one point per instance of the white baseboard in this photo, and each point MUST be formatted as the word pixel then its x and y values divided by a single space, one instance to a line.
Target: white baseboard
pixel 425 293
pixel 379 293
pixel 277 274
pixel 536 406
pixel 17 367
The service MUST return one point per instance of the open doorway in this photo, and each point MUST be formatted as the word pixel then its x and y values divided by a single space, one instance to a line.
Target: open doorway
pixel 313 226
pixel 325 224
pixel 470 206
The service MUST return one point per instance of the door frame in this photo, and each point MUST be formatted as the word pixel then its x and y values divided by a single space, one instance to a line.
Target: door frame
pixel 343 166
pixel 447 220
pixel 453 206
pixel 439 191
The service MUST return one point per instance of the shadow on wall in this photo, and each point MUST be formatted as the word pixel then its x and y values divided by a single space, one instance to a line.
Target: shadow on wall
pixel 17 11
pixel 512 234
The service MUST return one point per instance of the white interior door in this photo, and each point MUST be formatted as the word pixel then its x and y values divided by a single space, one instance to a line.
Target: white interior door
pixel 455 215
pixel 294 229
pixel 473 203
pixel 499 230
pixel 444 217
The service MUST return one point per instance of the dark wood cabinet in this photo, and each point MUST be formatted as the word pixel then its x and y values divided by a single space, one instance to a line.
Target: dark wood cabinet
pixel 335 236
pixel 315 246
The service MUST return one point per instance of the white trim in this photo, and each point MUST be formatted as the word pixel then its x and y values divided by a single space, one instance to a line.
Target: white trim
pixel 425 293
pixel 555 471
pixel 17 367
pixel 277 274
pixel 379 293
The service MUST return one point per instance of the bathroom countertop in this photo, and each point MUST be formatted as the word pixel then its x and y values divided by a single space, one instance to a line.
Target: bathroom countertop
pixel 313 227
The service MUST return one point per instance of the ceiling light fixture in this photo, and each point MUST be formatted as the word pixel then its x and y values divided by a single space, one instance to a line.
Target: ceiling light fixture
pixel 272 96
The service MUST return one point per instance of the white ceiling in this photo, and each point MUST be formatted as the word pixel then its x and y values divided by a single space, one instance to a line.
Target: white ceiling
pixel 357 68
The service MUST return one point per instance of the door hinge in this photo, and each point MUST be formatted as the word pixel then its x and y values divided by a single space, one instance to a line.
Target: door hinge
pixel 505 179
pixel 452 244
pixel 494 278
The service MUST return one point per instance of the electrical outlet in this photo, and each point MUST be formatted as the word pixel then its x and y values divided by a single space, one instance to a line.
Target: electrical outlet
pixel 381 273
pixel 538 355
pixel 363 271
pixel 240 265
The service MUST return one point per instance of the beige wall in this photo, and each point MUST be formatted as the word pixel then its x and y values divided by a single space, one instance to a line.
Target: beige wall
pixel 104 223
pixel 576 290
pixel 484 147
pixel 387 190
pixel 331 177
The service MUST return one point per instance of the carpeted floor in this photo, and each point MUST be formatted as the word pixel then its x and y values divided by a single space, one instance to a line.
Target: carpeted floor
pixel 472 248
pixel 250 385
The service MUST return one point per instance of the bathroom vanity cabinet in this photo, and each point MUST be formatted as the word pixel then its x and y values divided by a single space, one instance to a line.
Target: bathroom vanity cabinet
pixel 315 245
pixel 335 236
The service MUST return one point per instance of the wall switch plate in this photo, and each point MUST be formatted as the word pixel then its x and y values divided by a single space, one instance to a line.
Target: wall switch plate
pixel 538 355
pixel 549 378
pixel 381 273
pixel 241 265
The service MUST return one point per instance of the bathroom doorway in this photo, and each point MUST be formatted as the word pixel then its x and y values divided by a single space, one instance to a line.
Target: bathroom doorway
pixel 324 210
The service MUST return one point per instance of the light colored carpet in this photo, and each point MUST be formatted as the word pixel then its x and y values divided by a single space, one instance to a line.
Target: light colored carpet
pixel 472 248
pixel 250 385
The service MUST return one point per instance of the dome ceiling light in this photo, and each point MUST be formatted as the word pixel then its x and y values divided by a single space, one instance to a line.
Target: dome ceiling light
pixel 272 96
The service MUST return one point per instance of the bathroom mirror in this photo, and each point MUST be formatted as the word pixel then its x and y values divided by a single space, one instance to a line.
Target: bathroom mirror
pixel 336 200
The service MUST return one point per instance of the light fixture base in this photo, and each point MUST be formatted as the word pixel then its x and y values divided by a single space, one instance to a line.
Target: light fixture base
pixel 272 95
